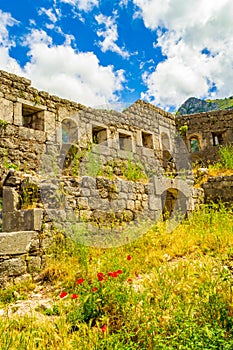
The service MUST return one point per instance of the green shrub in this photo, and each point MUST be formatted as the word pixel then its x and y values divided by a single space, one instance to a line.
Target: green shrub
pixel 226 156
pixel 133 171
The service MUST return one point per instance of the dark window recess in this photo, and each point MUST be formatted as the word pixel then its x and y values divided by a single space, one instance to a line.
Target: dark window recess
pixel 99 134
pixel 194 145
pixel 217 138
pixel 33 117
pixel 125 142
pixel 147 140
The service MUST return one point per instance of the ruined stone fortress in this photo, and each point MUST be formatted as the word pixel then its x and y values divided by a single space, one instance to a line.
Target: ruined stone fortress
pixel 63 161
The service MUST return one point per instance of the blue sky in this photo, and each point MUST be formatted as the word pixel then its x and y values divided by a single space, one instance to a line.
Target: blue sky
pixel 105 53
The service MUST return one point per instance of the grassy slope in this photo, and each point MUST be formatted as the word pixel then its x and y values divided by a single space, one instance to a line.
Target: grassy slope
pixel 223 103
pixel 175 293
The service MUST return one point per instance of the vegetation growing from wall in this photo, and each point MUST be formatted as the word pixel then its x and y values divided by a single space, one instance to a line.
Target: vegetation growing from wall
pixel 165 291
pixel 224 167
pixel 88 161
pixel 3 123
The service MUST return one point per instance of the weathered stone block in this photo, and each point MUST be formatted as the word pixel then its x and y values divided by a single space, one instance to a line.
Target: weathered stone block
pixel 118 204
pixel 13 243
pixel 88 182
pixel 127 187
pixel 6 110
pixel 49 122
pixel 98 203
pixel 10 201
pixel 147 152
pixel 155 203
pixel 138 205
pixel 13 267
pixel 18 118
pixel 85 215
pixel 12 221
pixel 130 205
pixel 33 219
pixel 82 203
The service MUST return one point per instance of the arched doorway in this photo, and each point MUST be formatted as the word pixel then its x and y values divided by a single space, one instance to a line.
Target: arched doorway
pixel 174 202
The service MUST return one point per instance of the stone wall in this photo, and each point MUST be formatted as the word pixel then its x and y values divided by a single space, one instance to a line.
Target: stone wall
pixel 28 200
pixel 33 206
pixel 70 165
pixel 20 148
pixel 210 130
pixel 22 244
pixel 21 255
pixel 36 120
pixel 218 188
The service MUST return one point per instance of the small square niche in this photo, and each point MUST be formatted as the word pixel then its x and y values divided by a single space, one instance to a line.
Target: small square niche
pixel 33 117
pixel 99 134
pixel 147 140
pixel 217 138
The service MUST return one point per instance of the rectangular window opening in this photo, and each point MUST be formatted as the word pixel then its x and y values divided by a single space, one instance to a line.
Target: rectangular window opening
pixel 147 140
pixel 217 138
pixel 99 134
pixel 125 142
pixel 33 117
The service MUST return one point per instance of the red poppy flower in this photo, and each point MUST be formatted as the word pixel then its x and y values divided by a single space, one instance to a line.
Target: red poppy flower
pixel 129 280
pixel 100 276
pixel 114 274
pixel 103 329
pixel 74 296
pixel 94 289
pixel 80 281
pixel 63 295
pixel 129 257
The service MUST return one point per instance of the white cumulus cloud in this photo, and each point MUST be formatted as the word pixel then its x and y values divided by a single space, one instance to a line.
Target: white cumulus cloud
pixel 76 76
pixel 196 39
pixel 7 62
pixel 60 69
pixel 6 20
pixel 82 5
pixel 52 16
pixel 109 35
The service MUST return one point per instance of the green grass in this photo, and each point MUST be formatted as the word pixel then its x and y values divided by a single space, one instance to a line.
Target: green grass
pixel 226 156
pixel 225 103
pixel 176 292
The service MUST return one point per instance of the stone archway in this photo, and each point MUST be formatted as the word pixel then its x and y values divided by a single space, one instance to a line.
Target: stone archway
pixel 174 202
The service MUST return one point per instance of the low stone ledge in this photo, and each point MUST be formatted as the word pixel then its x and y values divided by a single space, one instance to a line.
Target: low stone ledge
pixel 15 243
